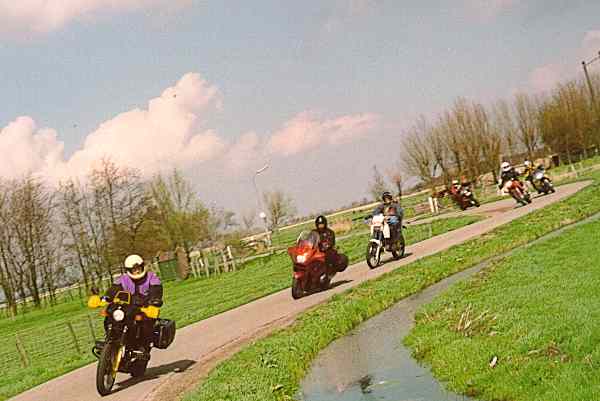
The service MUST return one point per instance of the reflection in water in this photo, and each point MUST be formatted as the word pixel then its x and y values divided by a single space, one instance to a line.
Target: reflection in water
pixel 372 364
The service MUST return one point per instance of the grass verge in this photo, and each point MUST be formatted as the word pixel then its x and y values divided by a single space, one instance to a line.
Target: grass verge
pixel 537 312
pixel 271 368
pixel 47 338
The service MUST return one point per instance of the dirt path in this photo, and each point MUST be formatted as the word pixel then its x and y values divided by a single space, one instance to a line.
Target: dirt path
pixel 200 346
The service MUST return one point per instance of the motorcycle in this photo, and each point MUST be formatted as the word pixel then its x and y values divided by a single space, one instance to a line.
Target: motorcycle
pixel 517 190
pixel 465 198
pixel 119 352
pixel 381 241
pixel 541 182
pixel 311 272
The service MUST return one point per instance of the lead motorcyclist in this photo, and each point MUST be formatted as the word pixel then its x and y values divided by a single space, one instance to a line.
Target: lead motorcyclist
pixel 145 289
pixel 394 212
pixel 327 244
pixel 508 173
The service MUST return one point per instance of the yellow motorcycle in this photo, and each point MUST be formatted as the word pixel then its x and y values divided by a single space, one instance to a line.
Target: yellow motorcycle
pixel 124 325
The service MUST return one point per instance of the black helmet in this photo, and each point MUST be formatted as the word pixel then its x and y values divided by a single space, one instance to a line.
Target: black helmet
pixel 387 194
pixel 321 220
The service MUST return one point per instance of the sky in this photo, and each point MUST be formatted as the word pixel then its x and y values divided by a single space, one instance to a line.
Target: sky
pixel 320 90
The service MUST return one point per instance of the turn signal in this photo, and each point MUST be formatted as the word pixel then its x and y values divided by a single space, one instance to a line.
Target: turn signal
pixel 139 318
pixel 104 313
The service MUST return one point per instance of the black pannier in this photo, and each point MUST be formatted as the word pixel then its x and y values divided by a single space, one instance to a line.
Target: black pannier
pixel 164 333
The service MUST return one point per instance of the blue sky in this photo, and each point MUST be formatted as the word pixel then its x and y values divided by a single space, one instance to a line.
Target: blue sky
pixel 273 60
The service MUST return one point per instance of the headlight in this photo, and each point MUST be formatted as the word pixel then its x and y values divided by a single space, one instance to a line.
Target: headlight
pixel 301 258
pixel 539 176
pixel 118 315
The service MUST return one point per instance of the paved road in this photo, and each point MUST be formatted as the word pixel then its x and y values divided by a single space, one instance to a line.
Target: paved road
pixel 210 339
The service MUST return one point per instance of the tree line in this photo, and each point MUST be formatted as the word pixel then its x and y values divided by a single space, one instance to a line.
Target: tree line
pixel 470 139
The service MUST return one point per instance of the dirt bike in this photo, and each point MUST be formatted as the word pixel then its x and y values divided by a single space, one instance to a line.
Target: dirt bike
pixel 311 270
pixel 517 190
pixel 541 182
pixel 120 351
pixel 381 241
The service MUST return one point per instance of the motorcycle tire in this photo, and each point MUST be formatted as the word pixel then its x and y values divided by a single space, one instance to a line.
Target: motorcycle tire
pixel 475 203
pixel 138 369
pixel 297 291
pixel 399 253
pixel 373 255
pixel 105 372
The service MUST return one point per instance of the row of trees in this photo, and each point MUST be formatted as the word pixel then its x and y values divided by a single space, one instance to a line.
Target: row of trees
pixel 51 236
pixel 471 139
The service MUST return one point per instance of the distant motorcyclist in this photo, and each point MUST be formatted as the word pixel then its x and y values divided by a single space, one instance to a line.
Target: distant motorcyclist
pixel 528 173
pixel 507 173
pixel 393 211
pixel 455 188
pixel 327 245
pixel 145 289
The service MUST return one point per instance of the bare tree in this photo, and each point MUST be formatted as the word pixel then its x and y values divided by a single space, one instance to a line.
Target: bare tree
pixel 378 185
pixel 280 207
pixel 249 220
pixel 526 109
pixel 417 156
pixel 395 176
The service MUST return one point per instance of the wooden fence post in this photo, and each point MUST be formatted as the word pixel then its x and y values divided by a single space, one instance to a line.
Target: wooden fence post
pixel 231 257
pixel 91 328
pixel 22 352
pixel 75 343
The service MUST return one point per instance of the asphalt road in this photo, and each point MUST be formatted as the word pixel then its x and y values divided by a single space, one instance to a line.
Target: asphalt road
pixel 200 345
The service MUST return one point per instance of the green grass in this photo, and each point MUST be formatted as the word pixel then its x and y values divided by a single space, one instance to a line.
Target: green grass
pixel 541 318
pixel 271 368
pixel 48 341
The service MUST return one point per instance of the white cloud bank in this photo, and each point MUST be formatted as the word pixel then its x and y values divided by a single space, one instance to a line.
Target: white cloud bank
pixel 171 131
pixel 42 16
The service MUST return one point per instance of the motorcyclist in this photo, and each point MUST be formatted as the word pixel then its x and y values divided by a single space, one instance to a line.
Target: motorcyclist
pixel 528 173
pixel 145 289
pixel 455 188
pixel 393 211
pixel 327 244
pixel 507 173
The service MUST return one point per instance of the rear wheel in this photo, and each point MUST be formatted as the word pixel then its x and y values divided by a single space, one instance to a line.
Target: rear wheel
pixel 107 369
pixel 297 291
pixel 373 255
pixel 138 369
pixel 400 248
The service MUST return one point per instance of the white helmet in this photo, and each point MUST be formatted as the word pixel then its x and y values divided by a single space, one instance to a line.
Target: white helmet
pixel 135 267
pixel 527 163
pixel 505 166
pixel 454 182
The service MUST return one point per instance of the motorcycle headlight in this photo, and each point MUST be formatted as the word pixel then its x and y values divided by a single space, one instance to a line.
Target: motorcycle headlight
pixel 301 258
pixel 118 315
pixel 539 176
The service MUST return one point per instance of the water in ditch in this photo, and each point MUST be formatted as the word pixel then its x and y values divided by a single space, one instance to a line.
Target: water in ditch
pixel 372 364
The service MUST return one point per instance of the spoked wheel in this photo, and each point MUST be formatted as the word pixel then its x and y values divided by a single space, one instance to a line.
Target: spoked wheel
pixel 401 248
pixel 297 291
pixel 107 368
pixel 373 255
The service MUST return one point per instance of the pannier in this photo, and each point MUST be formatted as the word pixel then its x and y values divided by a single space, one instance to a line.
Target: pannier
pixel 164 333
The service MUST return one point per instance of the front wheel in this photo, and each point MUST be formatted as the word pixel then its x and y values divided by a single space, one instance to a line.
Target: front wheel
pixel 297 291
pixel 107 368
pixel 373 255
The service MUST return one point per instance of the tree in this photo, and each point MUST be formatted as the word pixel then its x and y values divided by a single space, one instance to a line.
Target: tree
pixel 249 220
pixel 182 216
pixel 378 185
pixel 418 158
pixel 395 176
pixel 280 207
pixel 527 123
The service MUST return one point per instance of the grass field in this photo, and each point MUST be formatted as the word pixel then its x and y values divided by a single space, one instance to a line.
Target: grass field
pixel 271 368
pixel 537 311
pixel 47 338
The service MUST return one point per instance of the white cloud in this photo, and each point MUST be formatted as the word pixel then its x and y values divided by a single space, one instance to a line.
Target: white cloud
pixel 307 131
pixel 546 77
pixel 170 132
pixel 42 16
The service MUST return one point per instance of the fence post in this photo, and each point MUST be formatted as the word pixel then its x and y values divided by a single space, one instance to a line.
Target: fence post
pixel 91 328
pixel 225 264
pixel 231 257
pixel 206 265
pixel 75 343
pixel 22 352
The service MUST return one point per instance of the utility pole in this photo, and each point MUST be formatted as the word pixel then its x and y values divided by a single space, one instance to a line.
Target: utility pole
pixel 589 81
